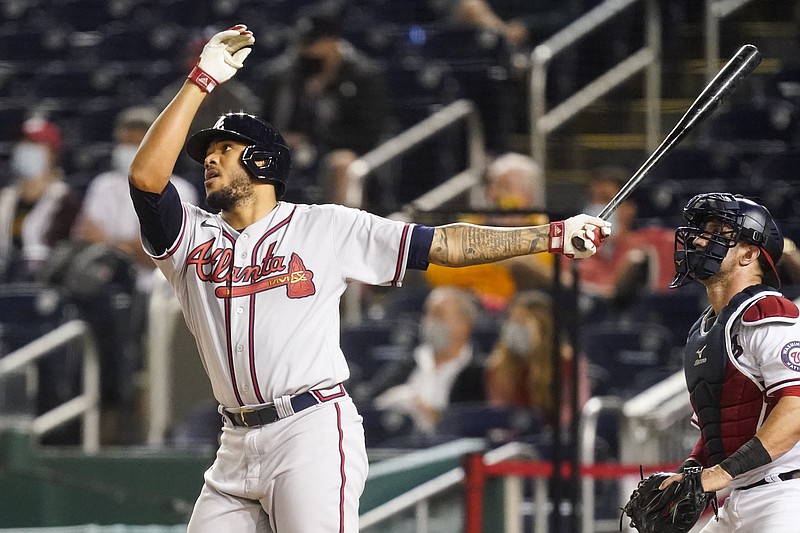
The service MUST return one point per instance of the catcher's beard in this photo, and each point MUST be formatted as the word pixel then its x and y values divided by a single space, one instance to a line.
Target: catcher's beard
pixel 238 192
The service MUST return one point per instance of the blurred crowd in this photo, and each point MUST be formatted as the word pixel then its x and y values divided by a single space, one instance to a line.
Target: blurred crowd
pixel 478 351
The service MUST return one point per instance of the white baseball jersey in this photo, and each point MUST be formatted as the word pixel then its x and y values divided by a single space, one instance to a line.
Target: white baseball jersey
pixel 263 303
pixel 770 357
pixel 763 346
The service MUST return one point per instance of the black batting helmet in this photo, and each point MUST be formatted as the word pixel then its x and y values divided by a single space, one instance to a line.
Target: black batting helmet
pixel 748 221
pixel 266 156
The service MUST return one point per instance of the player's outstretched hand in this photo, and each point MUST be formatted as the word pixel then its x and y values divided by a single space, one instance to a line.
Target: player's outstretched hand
pixel 592 230
pixel 222 56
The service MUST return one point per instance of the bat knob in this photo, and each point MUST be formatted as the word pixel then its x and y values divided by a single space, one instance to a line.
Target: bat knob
pixel 578 243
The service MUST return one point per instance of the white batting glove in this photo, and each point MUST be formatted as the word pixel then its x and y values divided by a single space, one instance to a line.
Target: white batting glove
pixel 591 230
pixel 222 56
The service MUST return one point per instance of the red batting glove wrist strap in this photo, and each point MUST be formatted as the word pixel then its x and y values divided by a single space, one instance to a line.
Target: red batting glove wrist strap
pixel 556 242
pixel 203 79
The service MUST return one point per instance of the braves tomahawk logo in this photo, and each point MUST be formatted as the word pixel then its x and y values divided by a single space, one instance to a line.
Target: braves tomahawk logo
pixel 215 265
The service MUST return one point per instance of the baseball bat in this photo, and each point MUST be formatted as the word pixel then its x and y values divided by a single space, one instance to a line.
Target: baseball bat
pixel 717 91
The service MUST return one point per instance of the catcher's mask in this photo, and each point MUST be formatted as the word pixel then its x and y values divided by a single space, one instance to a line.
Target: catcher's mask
pixel 741 220
pixel 266 157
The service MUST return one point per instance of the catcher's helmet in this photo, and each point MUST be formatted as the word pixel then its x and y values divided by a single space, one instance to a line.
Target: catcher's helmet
pixel 266 156
pixel 748 221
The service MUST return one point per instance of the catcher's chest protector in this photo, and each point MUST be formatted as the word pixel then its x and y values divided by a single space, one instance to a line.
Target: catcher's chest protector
pixel 714 385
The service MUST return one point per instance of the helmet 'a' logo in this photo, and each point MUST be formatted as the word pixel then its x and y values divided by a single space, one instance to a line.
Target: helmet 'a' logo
pixel 218 125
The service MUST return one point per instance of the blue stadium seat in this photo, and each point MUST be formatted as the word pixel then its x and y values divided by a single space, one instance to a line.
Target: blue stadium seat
pixel 71 80
pixel 624 359
pixel 406 12
pixel 418 88
pixel 28 311
pixel 82 15
pixel 96 119
pixel 200 429
pixel 676 309
pixel 27 44
pixel 775 182
pixel 407 303
pixel 11 119
pixel 379 41
pixel 370 346
pixel 765 129
pixel 127 42
pixel 382 427
pixel 496 423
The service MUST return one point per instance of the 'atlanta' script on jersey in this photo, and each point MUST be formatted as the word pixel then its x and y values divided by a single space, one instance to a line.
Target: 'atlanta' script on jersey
pixel 216 265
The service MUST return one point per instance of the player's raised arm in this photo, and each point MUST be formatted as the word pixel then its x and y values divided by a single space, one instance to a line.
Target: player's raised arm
pixel 220 59
pixel 467 244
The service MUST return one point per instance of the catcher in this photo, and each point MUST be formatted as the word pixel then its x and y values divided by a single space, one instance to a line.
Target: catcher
pixel 742 367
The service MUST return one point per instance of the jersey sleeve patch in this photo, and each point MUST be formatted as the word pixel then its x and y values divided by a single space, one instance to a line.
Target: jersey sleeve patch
pixel 771 309
pixel 790 355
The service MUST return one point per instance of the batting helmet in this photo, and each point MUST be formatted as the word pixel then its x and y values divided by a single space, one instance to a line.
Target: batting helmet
pixel 266 156
pixel 748 221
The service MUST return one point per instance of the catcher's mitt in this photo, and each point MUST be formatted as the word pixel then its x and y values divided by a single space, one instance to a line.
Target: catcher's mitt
pixel 673 510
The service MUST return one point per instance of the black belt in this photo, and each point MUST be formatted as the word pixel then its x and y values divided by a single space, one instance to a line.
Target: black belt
pixel 269 414
pixel 786 476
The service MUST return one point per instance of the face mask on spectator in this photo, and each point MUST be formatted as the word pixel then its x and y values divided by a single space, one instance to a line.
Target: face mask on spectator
pixel 122 156
pixel 511 201
pixel 518 339
pixel 29 160
pixel 435 334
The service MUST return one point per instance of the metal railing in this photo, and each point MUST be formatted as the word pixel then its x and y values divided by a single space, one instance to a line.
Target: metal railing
pixel 652 430
pixel 458 111
pixel 418 497
pixel 87 404
pixel 715 12
pixel 544 122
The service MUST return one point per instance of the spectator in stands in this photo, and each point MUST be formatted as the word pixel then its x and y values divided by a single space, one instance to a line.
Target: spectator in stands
pixel 106 238
pixel 38 208
pixel 445 367
pixel 519 371
pixel 233 95
pixel 514 182
pixel 636 258
pixel 329 100
pixel 107 215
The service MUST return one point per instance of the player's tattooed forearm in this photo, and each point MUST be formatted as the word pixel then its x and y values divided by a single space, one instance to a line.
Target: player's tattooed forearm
pixel 466 244
pixel 540 239
pixel 482 244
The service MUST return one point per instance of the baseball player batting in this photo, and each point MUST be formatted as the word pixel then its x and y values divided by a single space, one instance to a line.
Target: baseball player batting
pixel 742 365
pixel 260 283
